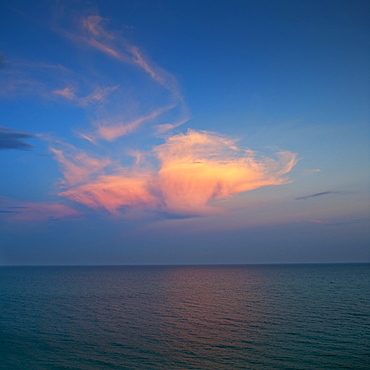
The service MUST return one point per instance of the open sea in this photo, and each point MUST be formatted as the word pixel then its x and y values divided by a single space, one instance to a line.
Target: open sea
pixel 185 317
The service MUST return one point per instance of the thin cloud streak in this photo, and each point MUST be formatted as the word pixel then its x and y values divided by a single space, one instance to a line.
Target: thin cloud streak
pixel 35 212
pixel 125 52
pixel 321 194
pixel 36 79
pixel 111 132
pixel 10 139
pixel 98 95
pixel 340 223
pixel 45 211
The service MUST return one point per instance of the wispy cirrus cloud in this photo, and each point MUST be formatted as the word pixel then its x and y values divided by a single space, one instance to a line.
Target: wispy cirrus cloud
pixel 321 194
pixel 10 139
pixel 111 131
pixel 22 78
pixel 98 95
pixel 91 31
pixel 340 223
pixel 77 166
pixel 112 109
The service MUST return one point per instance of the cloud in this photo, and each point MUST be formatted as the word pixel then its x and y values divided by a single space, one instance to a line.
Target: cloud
pixel 189 174
pixel 37 79
pixel 67 93
pixel 77 167
pixel 10 139
pixel 93 24
pixel 194 169
pixel 98 95
pixel 340 223
pixel 111 131
pixel 96 36
pixel 113 109
pixel 200 166
pixel 91 31
pixel 321 194
pixel 115 194
pixel 34 212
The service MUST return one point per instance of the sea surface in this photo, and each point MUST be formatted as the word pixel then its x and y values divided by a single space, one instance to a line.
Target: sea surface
pixel 185 317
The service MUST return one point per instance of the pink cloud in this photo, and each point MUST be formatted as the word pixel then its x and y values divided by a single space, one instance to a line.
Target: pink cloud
pixel 195 168
pixel 114 193
pixel 110 132
pixel 99 38
pixel 318 222
pixel 93 24
pixel 98 95
pixel 76 166
pixel 96 36
pixel 67 93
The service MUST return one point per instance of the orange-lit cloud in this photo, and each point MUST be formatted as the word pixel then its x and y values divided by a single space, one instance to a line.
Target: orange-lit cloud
pixel 201 166
pixel 194 169
pixel 115 194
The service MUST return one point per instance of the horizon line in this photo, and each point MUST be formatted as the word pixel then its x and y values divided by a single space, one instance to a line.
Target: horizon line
pixel 192 265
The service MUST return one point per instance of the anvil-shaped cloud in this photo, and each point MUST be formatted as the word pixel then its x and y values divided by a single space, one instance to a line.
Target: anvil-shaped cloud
pixel 194 169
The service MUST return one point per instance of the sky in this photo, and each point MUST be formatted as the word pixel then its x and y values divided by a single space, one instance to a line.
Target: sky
pixel 184 132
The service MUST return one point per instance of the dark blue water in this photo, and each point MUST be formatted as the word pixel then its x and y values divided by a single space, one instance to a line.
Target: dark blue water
pixel 188 317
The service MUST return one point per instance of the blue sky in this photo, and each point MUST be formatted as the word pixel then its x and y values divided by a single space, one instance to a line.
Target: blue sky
pixel 182 132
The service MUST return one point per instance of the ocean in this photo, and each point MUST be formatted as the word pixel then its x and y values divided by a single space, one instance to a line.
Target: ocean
pixel 185 317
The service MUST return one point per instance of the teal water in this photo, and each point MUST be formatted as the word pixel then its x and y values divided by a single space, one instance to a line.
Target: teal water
pixel 185 317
